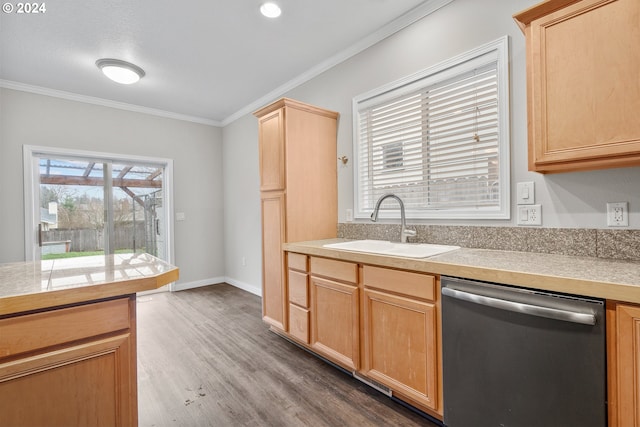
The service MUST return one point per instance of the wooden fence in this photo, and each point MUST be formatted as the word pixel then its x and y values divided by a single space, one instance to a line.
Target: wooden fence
pixel 88 240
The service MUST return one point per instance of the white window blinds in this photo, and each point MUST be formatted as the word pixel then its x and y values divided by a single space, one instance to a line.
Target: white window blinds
pixel 438 142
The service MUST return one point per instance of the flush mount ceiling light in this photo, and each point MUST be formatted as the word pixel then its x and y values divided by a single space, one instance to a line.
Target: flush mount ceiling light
pixel 120 71
pixel 270 10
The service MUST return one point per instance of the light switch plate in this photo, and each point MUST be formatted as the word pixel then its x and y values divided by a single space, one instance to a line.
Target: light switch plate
pixel 526 193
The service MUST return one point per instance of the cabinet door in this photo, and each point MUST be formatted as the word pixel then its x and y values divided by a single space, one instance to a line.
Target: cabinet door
pixel 583 86
pixel 91 384
pixel 335 322
pixel 274 298
pixel 628 365
pixel 400 345
pixel 271 143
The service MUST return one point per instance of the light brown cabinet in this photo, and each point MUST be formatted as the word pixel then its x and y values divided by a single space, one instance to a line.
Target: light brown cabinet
pixel 298 286
pixel 335 311
pixel 70 367
pixel 623 361
pixel 401 334
pixel 298 184
pixel 583 88
pixel 380 322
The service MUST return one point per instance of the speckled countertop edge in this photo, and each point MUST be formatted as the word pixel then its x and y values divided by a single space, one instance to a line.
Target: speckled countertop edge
pixel 27 286
pixel 588 276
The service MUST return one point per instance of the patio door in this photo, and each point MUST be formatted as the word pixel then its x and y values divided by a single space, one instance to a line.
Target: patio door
pixel 85 203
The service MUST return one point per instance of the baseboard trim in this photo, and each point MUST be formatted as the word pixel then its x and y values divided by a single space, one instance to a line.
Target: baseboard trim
pixel 256 290
pixel 197 284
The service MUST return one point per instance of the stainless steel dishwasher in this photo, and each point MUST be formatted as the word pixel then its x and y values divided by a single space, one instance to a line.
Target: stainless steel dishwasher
pixel 514 357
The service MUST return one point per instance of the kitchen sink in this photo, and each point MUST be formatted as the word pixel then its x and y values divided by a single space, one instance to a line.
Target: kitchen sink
pixel 382 247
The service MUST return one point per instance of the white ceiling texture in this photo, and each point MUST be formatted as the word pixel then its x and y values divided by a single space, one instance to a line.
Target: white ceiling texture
pixel 207 61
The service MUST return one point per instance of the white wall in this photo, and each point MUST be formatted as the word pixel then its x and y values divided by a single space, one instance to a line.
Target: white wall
pixel 216 171
pixel 30 119
pixel 242 227
pixel 572 200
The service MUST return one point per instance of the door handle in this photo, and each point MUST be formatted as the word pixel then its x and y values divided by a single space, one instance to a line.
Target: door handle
pixel 519 307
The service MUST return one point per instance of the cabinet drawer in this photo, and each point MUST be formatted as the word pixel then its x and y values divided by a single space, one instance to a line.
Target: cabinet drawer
pixel 339 270
pixel 403 282
pixel 299 323
pixel 40 330
pixel 299 288
pixel 297 261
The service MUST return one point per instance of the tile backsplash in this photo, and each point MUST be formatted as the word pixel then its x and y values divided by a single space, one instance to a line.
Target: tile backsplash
pixel 602 243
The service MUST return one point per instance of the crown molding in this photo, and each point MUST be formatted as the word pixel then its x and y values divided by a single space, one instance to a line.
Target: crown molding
pixel 8 84
pixel 415 14
pixel 403 21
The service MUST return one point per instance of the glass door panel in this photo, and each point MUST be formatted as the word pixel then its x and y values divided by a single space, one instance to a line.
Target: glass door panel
pixel 72 208
pixel 138 218
pixel 93 206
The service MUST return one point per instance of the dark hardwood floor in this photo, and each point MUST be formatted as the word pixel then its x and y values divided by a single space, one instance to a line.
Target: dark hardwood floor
pixel 205 358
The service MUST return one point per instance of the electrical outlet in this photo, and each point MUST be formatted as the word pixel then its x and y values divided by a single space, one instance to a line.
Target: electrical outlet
pixel 530 215
pixel 526 193
pixel 618 214
pixel 349 215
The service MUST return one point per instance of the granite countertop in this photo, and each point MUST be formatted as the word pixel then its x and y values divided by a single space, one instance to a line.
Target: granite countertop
pixel 26 286
pixel 595 277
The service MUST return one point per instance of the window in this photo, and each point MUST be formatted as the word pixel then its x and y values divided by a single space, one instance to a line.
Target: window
pixel 438 139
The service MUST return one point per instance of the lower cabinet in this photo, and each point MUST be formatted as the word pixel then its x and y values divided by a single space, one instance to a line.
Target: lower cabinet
pixel 335 319
pixel 401 339
pixel 382 323
pixel 70 367
pixel 274 299
pixel 298 286
pixel 623 342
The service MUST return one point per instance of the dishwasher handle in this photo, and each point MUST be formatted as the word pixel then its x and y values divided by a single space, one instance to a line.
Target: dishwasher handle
pixel 519 307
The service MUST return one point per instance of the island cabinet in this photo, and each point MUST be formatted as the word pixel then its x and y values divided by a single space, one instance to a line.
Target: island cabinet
pixel 623 356
pixel 73 366
pixel 583 89
pixel 401 334
pixel 335 311
pixel 298 186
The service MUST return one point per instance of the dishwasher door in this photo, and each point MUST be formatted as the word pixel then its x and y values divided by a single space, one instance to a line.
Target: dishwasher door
pixel 519 358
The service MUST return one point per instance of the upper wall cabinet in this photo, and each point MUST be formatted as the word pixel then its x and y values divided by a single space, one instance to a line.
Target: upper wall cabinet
pixel 583 84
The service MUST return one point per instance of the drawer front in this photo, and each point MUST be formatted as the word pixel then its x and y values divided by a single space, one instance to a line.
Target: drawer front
pixel 403 282
pixel 299 323
pixel 299 288
pixel 297 261
pixel 338 270
pixel 40 330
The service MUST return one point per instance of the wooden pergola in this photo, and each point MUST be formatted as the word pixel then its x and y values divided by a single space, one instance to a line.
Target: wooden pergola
pixel 121 181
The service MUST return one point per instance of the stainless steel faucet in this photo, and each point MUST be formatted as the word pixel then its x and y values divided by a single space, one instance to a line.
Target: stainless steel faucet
pixel 404 232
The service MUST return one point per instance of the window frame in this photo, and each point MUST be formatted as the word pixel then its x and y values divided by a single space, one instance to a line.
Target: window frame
pixel 31 170
pixel 495 51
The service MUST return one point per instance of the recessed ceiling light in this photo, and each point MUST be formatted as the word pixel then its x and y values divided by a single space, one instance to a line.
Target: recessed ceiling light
pixel 270 10
pixel 120 71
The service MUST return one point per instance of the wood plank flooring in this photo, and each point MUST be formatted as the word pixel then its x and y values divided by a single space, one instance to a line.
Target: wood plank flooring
pixel 205 358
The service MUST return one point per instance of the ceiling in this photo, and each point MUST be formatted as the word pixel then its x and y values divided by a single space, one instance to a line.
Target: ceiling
pixel 208 61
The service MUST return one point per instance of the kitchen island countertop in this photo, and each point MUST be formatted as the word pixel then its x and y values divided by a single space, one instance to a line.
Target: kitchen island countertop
pixel 595 277
pixel 28 286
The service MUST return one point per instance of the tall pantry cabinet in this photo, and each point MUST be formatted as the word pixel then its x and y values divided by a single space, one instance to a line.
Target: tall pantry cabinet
pixel 298 190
